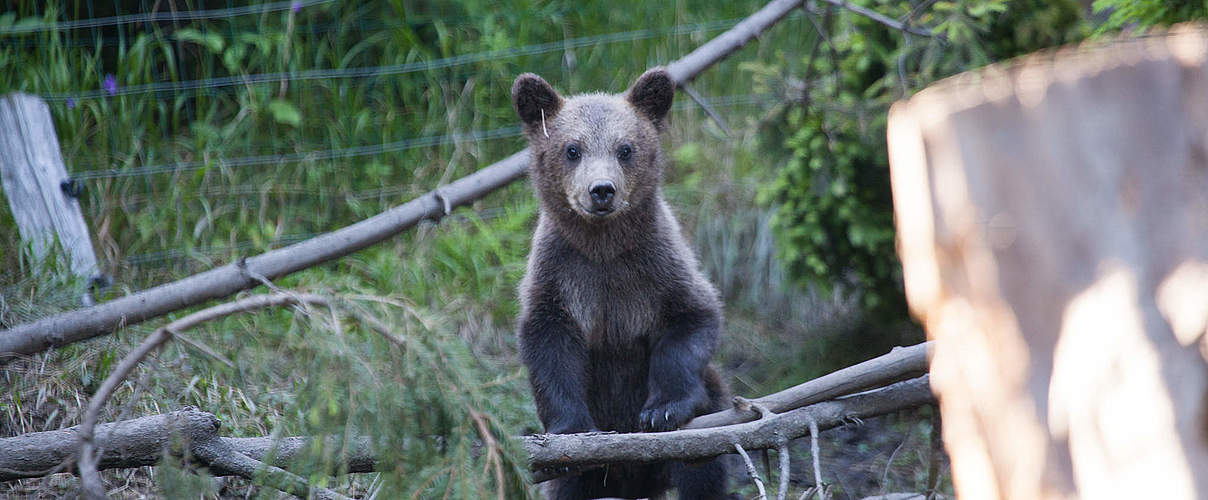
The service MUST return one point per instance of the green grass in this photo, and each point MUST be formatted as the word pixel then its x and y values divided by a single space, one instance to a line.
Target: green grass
pixel 450 286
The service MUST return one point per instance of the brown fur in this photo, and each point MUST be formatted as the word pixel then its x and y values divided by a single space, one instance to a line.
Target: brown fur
pixel 617 323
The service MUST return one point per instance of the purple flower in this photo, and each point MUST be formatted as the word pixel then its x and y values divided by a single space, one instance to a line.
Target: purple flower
pixel 70 103
pixel 110 84
pixel 295 6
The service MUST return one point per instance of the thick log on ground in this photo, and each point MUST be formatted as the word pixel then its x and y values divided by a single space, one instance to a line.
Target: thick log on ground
pixel 556 450
pixel 143 441
pixel 1053 227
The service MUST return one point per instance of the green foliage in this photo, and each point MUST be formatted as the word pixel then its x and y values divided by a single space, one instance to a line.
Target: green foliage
pixel 835 214
pixel 448 287
pixel 1147 13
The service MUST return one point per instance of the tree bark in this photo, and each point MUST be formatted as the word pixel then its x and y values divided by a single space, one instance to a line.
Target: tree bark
pixel 577 450
pixel 143 441
pixel 1051 218
pixel 900 364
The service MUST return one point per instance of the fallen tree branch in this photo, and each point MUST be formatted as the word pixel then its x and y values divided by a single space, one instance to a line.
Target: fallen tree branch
pixel 763 494
pixel 553 451
pixel 881 18
pixel 223 281
pixel 226 280
pixel 782 454
pixel 700 101
pixel 90 480
pixel 815 451
pixel 686 68
pixel 900 364
pixel 220 455
pixel 141 442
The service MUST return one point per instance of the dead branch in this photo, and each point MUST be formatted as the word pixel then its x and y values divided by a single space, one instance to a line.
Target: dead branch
pixel 900 364
pixel 815 450
pixel 224 281
pixel 90 479
pixel 142 441
pixel 881 18
pixel 700 101
pixel 553 451
pixel 763 494
pixel 686 68
pixel 782 453
pixel 219 455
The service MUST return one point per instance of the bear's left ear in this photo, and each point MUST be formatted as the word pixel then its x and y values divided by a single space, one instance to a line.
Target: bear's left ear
pixel 535 102
pixel 651 95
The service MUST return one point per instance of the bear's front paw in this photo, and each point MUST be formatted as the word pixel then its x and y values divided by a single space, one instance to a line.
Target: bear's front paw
pixel 665 417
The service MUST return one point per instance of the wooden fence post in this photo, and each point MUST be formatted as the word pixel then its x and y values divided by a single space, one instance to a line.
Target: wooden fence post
pixel 1052 221
pixel 39 191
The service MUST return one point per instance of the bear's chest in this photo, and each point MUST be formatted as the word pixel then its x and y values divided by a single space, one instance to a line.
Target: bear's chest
pixel 613 305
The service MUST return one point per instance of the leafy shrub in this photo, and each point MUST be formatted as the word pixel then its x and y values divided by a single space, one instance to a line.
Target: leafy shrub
pixel 835 215
pixel 1147 13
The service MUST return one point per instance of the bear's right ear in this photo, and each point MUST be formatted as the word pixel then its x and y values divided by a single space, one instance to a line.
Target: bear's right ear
pixel 536 103
pixel 652 94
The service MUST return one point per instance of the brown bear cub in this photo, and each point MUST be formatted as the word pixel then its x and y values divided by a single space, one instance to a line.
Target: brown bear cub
pixel 618 323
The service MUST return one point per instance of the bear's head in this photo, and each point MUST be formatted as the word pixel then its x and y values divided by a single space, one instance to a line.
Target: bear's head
pixel 596 156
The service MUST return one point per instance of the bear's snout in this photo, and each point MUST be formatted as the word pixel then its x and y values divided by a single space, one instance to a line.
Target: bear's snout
pixel 602 194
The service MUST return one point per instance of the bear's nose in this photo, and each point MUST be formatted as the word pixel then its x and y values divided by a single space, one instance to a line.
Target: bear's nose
pixel 601 195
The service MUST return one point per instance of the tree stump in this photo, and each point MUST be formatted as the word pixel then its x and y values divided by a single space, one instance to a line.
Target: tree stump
pixel 1052 220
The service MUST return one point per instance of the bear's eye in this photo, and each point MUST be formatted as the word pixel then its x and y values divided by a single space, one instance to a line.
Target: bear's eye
pixel 572 152
pixel 624 152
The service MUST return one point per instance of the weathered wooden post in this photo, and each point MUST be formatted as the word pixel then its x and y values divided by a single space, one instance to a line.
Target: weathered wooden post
pixel 1053 227
pixel 39 191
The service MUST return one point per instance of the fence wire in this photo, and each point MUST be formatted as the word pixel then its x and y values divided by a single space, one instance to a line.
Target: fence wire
pixel 369 150
pixel 276 159
pixel 184 15
pixel 207 84
pixel 174 88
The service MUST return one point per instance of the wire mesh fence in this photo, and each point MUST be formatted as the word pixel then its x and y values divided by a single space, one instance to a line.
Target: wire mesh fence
pixel 185 173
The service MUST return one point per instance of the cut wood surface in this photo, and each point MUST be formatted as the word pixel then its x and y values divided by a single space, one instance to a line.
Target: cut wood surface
pixel 1052 217
pixel 31 167
pixel 83 324
pixel 901 363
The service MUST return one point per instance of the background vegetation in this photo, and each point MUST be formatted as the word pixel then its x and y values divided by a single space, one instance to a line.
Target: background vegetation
pixel 203 141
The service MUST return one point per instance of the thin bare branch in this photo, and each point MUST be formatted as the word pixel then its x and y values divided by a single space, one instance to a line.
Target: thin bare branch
pixel 205 349
pixel 700 101
pixel 815 450
pixel 581 450
pixel 885 475
pixel 782 453
pixel 899 364
pixel 763 494
pixel 90 480
pixel 220 455
pixel 881 18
